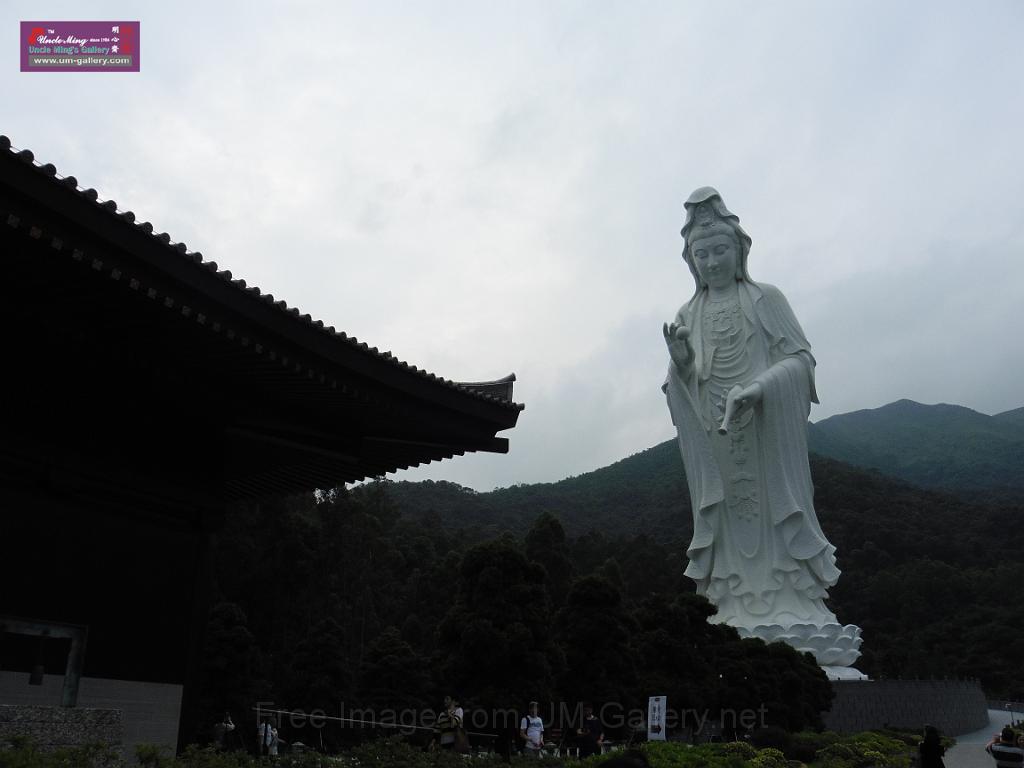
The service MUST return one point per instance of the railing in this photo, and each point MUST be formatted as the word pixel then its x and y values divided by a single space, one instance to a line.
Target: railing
pixel 1016 707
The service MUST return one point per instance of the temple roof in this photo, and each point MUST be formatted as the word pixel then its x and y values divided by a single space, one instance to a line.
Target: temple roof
pixel 279 377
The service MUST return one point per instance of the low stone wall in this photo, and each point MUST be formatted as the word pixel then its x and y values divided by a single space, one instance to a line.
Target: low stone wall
pixel 149 711
pixel 952 706
pixel 53 727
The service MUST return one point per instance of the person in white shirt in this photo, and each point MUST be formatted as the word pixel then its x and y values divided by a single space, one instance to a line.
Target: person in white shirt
pixel 267 735
pixel 531 729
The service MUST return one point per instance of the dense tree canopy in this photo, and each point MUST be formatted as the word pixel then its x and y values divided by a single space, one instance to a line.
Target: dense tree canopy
pixel 383 597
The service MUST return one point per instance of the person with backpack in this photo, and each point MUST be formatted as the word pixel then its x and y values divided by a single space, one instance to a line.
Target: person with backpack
pixel 531 730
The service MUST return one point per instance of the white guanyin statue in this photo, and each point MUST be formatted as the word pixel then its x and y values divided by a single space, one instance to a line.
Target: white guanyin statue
pixel 740 387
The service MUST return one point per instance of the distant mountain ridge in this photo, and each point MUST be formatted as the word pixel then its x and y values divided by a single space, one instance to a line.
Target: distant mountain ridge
pixel 935 447
pixel 942 446
pixel 644 492
pixel 1016 416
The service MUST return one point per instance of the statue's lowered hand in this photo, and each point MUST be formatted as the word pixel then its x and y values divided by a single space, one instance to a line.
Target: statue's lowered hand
pixel 677 339
pixel 739 400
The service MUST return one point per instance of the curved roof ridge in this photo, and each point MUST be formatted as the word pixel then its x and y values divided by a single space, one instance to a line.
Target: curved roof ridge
pixel 482 390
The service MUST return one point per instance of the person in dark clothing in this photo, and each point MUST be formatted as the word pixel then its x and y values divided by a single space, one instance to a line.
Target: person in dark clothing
pixel 590 734
pixel 222 732
pixel 931 749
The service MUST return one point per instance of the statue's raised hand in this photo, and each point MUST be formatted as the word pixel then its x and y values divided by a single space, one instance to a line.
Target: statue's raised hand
pixel 677 339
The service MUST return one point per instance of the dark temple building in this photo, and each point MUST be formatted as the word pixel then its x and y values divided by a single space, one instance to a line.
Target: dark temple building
pixel 144 390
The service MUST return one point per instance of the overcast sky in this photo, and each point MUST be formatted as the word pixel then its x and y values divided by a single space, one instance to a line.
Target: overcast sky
pixel 487 187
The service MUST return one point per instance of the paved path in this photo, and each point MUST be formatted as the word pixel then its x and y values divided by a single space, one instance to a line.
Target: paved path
pixel 969 751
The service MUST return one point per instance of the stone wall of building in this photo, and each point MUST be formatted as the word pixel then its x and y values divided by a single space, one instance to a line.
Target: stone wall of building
pixel 54 727
pixel 147 712
pixel 953 706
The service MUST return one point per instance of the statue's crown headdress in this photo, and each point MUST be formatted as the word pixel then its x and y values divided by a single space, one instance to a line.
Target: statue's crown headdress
pixel 707 223
pixel 706 216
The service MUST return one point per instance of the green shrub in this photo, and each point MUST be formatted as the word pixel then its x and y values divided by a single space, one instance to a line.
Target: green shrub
pixel 805 745
pixel 772 736
pixel 888 749
pixel 768 758
pixel 740 749
pixel 672 754
pixel 23 753
pixel 152 756
pixel 908 737
pixel 864 750
pixel 195 756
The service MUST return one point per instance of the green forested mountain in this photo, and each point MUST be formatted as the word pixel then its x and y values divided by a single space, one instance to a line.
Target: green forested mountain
pixel 1016 416
pixel 934 578
pixel 934 446
pixel 645 492
pixel 392 594
pixel 941 447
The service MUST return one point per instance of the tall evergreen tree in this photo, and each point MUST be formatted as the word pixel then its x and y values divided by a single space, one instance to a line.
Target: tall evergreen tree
pixel 496 645
pixel 393 675
pixel 595 630
pixel 546 544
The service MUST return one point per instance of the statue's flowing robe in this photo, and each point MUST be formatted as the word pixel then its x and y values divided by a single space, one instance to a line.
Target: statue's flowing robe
pixel 758 552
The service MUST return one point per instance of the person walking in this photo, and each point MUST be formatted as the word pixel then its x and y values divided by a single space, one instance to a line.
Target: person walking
pixel 931 750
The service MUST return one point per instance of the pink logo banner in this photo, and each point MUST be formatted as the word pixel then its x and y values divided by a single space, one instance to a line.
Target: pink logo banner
pixel 79 46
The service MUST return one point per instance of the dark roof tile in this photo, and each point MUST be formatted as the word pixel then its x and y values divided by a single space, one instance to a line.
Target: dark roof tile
pixel 93 196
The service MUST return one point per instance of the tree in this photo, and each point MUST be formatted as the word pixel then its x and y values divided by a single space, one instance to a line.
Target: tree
pixel 594 628
pixel 319 673
pixel 674 641
pixel 232 668
pixel 546 544
pixel 393 675
pixel 495 642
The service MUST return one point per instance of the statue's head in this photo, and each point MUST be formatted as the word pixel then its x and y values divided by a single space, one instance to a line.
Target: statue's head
pixel 707 219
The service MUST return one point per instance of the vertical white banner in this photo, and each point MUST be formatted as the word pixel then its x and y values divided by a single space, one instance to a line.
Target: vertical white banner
pixel 656 718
